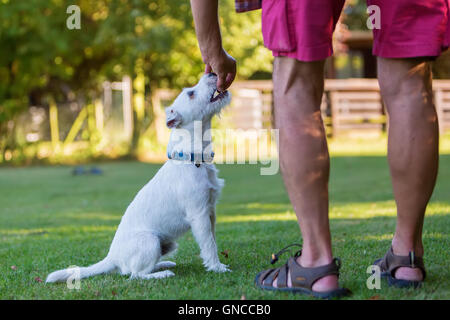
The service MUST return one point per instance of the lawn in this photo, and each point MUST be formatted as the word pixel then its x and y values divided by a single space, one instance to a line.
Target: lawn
pixel 50 219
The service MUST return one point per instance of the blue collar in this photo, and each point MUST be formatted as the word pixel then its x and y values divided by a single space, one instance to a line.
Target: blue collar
pixel 192 157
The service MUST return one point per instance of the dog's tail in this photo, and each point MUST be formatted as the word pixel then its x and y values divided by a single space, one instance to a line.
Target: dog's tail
pixel 104 266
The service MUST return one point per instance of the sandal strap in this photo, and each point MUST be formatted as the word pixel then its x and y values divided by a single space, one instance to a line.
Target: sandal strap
pixel 306 277
pixel 282 277
pixel 269 276
pixel 392 262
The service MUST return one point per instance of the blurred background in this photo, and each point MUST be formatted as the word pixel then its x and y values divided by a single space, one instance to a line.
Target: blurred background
pixel 72 96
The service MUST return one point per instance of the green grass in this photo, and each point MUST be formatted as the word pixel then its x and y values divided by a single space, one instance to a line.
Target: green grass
pixel 50 220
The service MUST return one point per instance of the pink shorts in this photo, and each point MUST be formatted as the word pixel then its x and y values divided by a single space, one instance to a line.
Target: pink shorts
pixel 303 29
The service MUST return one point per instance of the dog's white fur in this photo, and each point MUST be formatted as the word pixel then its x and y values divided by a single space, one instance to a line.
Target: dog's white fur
pixel 180 197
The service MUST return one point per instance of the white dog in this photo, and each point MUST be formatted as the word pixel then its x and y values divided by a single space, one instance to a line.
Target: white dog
pixel 182 195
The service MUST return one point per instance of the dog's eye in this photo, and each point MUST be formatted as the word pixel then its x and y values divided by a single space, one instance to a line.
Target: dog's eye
pixel 191 94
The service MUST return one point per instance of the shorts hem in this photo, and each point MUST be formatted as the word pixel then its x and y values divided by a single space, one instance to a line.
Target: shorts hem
pixel 408 51
pixel 307 54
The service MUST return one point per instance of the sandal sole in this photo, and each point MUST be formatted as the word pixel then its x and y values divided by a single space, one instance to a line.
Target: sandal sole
pixel 338 293
pixel 403 284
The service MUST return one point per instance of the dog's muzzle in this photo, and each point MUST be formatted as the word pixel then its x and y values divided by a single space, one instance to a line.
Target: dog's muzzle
pixel 216 96
pixel 173 119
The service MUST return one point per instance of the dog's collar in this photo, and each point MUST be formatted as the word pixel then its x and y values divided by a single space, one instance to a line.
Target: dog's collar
pixel 192 157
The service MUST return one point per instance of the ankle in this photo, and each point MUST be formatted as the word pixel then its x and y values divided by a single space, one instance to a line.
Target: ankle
pixel 325 283
pixel 309 259
pixel 402 247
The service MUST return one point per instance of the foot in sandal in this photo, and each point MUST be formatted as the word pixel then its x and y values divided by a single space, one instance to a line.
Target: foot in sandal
pixel 318 281
pixel 402 271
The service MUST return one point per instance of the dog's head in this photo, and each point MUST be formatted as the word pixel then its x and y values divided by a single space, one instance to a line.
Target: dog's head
pixel 197 103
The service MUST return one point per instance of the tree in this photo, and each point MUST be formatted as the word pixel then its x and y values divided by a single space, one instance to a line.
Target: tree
pixel 40 57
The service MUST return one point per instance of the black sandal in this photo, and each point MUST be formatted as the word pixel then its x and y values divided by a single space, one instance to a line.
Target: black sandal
pixel 391 262
pixel 302 278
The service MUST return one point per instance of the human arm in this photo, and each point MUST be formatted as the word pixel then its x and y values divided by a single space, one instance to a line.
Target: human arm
pixel 216 59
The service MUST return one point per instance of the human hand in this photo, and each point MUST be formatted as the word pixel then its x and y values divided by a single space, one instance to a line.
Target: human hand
pixel 224 66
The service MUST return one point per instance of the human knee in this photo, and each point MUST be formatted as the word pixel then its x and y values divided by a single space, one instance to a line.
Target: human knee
pixel 292 78
pixel 405 79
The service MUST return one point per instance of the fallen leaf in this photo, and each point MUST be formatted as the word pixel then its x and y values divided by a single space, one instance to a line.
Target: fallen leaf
pixel 225 253
pixel 114 293
pixel 243 297
pixel 37 279
pixel 376 297
pixel 97 293
pixel 14 267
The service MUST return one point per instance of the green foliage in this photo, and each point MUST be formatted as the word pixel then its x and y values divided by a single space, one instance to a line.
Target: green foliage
pixel 41 57
pixel 355 14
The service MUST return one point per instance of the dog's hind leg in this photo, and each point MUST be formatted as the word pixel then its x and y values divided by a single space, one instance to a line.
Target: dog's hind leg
pixel 145 252
pixel 155 275
pixel 168 248
pixel 164 265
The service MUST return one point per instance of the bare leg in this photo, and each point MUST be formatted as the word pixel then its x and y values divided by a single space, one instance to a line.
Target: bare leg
pixel 304 159
pixel 413 151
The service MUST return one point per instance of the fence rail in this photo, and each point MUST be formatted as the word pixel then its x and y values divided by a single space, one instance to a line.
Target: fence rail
pixel 347 105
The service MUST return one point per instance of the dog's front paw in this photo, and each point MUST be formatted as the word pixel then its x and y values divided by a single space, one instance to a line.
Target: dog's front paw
pixel 220 267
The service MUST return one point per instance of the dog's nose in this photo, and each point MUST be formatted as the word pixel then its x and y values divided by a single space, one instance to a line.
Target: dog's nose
pixel 212 74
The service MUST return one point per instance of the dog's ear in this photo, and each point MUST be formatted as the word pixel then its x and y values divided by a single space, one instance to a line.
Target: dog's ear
pixel 173 119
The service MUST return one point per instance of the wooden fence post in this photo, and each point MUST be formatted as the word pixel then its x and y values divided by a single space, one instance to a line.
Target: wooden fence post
pixel 54 127
pixel 127 100
pixel 334 113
